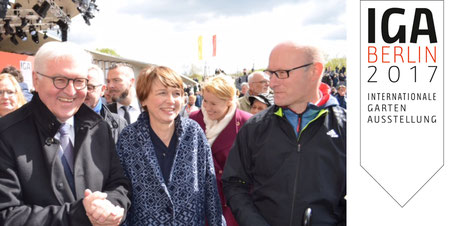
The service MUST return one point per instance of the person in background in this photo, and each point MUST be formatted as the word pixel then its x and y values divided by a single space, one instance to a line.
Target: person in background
pixel 258 85
pixel 107 97
pixel 341 96
pixel 241 79
pixel 333 91
pixel 220 118
pixel 258 103
pixel 11 97
pixel 18 75
pixel 96 88
pixel 120 81
pixel 244 88
pixel 199 99
pixel 291 158
pixel 58 162
pixel 167 158
pixel 189 107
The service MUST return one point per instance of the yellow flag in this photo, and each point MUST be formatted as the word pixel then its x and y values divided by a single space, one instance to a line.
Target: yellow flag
pixel 199 45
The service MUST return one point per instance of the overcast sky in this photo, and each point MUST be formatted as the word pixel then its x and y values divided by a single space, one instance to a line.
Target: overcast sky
pixel 166 32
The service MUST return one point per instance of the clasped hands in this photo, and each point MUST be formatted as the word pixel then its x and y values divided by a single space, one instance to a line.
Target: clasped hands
pixel 100 210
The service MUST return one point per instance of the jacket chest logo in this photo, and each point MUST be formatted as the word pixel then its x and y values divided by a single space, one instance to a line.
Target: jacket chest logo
pixel 332 133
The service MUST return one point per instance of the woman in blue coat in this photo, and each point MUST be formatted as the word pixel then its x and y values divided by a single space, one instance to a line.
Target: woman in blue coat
pixel 167 158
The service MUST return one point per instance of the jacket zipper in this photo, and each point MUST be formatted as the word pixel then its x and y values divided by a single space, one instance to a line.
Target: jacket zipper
pixel 293 201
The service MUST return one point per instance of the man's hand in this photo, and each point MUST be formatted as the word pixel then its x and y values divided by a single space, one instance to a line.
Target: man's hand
pixel 100 210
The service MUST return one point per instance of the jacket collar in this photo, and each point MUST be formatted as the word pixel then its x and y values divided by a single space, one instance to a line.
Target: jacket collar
pixel 49 125
pixel 143 124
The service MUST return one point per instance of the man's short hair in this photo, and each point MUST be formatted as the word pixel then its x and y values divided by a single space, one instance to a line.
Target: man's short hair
pixel 127 68
pixel 116 65
pixel 59 51
pixel 313 54
pixel 192 96
pixel 251 76
pixel 101 76
pixel 244 84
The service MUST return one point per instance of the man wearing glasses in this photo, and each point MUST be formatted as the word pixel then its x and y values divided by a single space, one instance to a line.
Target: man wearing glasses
pixel 58 163
pixel 288 163
pixel 96 89
pixel 258 85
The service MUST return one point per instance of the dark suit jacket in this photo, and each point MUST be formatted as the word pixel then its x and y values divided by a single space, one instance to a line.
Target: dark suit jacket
pixel 116 122
pixel 33 186
pixel 112 107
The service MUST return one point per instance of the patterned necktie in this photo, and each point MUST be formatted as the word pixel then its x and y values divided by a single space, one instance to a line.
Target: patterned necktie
pixel 67 157
pixel 126 114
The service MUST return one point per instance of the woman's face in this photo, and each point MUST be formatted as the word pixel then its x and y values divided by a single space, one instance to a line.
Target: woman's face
pixel 216 108
pixel 8 97
pixel 163 103
pixel 257 107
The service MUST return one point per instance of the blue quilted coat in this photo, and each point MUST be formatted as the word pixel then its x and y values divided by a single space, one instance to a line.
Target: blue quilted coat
pixel 190 197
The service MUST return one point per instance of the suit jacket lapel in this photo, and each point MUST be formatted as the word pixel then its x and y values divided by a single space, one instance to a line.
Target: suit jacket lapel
pixel 112 107
pixel 59 184
pixel 47 126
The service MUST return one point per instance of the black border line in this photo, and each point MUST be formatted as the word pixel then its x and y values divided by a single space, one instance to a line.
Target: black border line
pixel 360 116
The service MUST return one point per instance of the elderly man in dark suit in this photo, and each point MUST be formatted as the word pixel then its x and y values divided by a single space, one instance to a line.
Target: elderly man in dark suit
pixel 58 163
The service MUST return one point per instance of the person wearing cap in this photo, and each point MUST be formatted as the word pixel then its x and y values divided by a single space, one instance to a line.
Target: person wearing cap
pixel 258 85
pixel 258 103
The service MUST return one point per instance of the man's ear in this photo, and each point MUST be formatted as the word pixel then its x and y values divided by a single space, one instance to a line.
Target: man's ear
pixel 35 80
pixel 132 82
pixel 102 90
pixel 317 71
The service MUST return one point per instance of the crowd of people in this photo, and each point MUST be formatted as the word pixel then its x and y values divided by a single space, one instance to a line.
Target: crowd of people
pixel 266 149
pixel 336 79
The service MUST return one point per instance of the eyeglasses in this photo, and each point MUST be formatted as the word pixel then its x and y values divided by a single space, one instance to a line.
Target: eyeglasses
pixel 7 92
pixel 262 82
pixel 283 74
pixel 61 82
pixel 92 87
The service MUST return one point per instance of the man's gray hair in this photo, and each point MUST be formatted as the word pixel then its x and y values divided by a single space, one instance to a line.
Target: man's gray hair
pixel 127 68
pixel 313 54
pixel 244 84
pixel 251 76
pixel 99 71
pixel 60 51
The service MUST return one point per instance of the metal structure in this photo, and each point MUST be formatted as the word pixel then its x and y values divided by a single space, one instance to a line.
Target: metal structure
pixel 24 18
